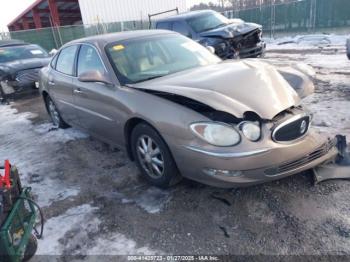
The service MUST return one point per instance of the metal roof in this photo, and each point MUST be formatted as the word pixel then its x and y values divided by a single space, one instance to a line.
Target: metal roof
pixel 67 9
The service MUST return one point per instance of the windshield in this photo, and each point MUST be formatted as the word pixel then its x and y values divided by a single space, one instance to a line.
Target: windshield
pixel 207 22
pixel 147 58
pixel 12 53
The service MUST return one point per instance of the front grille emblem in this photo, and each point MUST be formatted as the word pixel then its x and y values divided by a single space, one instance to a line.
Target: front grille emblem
pixel 303 127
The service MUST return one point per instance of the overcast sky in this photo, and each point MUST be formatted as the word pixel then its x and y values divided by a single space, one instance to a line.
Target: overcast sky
pixel 9 9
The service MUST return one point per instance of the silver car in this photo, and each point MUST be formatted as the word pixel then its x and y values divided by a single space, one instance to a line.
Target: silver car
pixel 179 110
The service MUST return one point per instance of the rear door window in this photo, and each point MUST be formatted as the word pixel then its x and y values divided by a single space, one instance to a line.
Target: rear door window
pixel 181 28
pixel 164 25
pixel 66 60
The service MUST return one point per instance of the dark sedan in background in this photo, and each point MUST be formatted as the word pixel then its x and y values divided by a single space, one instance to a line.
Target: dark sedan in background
pixel 20 64
pixel 230 38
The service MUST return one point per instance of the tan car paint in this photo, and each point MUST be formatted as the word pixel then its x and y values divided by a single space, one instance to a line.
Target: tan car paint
pixel 233 86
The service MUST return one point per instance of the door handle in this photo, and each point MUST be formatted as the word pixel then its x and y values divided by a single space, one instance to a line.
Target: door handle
pixel 77 91
pixel 52 83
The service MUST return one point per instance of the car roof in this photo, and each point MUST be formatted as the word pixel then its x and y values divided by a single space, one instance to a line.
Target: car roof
pixel 184 16
pixel 12 42
pixel 115 37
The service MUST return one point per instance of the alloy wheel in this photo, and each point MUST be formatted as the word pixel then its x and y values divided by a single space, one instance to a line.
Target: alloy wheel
pixel 150 156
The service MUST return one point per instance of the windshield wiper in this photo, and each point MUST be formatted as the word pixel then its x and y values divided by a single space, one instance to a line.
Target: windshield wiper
pixel 149 78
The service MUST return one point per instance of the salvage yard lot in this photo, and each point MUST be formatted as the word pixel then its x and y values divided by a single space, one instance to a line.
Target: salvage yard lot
pixel 96 203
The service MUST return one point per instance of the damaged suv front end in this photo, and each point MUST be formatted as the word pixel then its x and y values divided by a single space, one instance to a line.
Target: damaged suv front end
pixel 236 39
pixel 231 38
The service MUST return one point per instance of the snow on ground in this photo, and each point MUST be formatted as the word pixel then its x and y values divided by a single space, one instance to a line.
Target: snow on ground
pixel 301 42
pixel 151 200
pixel 33 151
pixel 330 103
pixel 67 233
pixel 335 61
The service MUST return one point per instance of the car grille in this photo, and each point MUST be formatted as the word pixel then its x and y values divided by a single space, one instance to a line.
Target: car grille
pixel 288 166
pixel 28 76
pixel 251 40
pixel 291 129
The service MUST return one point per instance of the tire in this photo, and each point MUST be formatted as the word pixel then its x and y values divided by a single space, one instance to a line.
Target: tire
pixel 31 248
pixel 54 114
pixel 153 157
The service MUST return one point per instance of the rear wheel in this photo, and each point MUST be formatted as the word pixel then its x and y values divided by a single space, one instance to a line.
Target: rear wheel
pixel 153 157
pixel 54 114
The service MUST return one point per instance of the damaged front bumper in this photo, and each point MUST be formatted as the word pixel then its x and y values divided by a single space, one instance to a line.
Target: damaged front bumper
pixel 338 169
pixel 254 166
pixel 252 52
pixel 249 45
pixel 230 51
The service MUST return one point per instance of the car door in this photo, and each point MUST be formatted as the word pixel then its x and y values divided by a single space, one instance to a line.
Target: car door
pixel 60 83
pixel 95 102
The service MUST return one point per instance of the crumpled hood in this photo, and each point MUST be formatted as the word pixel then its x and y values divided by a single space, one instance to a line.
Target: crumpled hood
pixel 18 65
pixel 232 86
pixel 231 30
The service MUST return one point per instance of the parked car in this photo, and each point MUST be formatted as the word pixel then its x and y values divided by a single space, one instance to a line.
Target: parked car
pixel 179 110
pixel 348 47
pixel 230 38
pixel 20 63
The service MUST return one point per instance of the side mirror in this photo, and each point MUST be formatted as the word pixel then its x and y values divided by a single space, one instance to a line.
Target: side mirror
pixel 95 77
pixel 211 49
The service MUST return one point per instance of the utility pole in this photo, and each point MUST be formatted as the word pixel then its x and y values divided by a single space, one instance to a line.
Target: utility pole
pixel 272 19
pixel 313 15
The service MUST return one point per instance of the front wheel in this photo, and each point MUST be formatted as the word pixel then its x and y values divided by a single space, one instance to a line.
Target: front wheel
pixel 54 114
pixel 153 157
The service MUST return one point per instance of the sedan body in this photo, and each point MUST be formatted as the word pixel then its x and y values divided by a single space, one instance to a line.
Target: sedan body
pixel 181 111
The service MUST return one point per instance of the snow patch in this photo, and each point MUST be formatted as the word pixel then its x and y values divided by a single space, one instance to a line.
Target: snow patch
pixel 67 233
pixel 330 116
pixel 312 41
pixel 50 133
pixel 118 244
pixel 152 200
pixel 334 62
pixel 34 151
pixel 57 227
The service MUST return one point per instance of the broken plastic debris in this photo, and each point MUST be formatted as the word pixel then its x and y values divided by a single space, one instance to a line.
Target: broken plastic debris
pixel 338 170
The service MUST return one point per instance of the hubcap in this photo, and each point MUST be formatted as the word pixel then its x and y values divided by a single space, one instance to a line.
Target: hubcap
pixel 54 114
pixel 150 156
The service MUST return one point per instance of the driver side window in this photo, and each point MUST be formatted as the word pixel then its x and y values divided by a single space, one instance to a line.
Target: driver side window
pixel 89 60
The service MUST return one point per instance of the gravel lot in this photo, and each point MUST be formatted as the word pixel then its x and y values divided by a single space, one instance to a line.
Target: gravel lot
pixel 96 203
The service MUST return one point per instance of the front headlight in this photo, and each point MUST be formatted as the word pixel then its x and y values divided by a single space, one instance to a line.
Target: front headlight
pixel 251 130
pixel 216 134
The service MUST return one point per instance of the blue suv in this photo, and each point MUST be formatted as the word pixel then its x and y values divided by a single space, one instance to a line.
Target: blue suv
pixel 231 38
